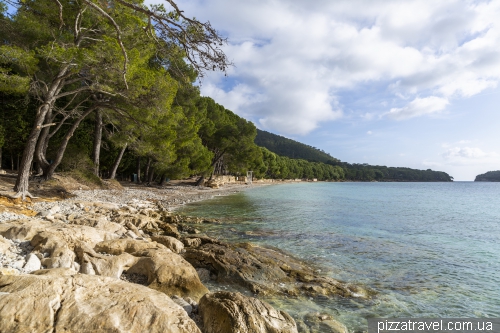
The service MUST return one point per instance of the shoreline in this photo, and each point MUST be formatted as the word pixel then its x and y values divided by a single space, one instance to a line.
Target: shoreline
pixel 115 233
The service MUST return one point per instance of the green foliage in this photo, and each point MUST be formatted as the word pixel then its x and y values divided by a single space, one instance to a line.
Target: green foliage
pixel 142 84
pixel 354 172
pixel 490 176
pixel 16 66
pixel 282 167
pixel 366 172
pixel 229 137
pixel 291 148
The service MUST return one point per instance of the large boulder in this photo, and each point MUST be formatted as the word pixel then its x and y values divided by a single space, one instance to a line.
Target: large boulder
pixel 101 223
pixel 119 246
pixel 173 244
pixel 168 272
pixel 227 312
pixel 82 303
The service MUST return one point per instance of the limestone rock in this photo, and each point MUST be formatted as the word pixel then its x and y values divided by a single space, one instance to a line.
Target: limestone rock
pixel 83 303
pixel 170 230
pixel 106 205
pixel 112 266
pixel 101 223
pixel 8 271
pixel 169 273
pixel 227 312
pixel 191 242
pixel 170 242
pixel 185 305
pixel 4 245
pixel 119 246
pixel 18 264
pixel 266 271
pixel 32 263
pixel 318 322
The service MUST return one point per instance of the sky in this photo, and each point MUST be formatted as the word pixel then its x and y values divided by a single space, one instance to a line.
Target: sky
pixel 409 83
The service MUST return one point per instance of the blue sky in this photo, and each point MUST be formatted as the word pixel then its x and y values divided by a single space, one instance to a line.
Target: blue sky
pixel 400 83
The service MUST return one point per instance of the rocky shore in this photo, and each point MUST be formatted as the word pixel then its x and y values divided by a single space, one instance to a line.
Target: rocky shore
pixel 123 261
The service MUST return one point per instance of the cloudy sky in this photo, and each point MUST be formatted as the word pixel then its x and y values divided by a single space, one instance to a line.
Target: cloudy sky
pixel 400 83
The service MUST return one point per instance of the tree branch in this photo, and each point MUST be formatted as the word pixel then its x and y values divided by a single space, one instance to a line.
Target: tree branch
pixel 118 37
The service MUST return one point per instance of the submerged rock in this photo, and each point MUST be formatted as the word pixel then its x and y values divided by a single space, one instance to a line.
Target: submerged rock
pixel 264 270
pixel 227 312
pixel 320 322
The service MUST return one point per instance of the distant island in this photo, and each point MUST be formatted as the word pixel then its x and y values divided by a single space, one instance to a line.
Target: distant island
pixel 490 176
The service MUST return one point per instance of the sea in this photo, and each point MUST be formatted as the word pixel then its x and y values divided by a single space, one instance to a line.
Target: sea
pixel 423 249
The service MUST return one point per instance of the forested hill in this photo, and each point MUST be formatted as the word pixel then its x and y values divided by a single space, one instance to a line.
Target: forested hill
pixel 490 176
pixel 291 148
pixel 353 172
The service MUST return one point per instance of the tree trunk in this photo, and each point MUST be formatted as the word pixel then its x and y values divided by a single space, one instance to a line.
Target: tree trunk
pixel 62 147
pixel 117 163
pixel 200 181
pixel 22 181
pixel 11 161
pixel 138 169
pixel 146 172
pixel 151 175
pixel 0 158
pixel 42 144
pixel 97 141
pixel 162 180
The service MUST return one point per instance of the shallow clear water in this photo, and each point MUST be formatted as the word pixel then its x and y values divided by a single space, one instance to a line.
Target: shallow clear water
pixel 427 249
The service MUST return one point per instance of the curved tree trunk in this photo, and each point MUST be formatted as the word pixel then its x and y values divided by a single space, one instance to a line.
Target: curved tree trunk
pixel 22 181
pixel 97 141
pixel 41 146
pixel 117 163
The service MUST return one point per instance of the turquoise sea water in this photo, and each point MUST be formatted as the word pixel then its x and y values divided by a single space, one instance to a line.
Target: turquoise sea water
pixel 426 249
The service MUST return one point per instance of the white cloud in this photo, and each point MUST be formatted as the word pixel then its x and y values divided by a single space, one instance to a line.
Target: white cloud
pixel 463 142
pixel 469 156
pixel 369 132
pixel 466 152
pixel 296 59
pixel 418 107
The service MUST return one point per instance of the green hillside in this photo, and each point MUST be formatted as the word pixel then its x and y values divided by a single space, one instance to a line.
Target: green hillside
pixel 352 172
pixel 291 148
pixel 490 176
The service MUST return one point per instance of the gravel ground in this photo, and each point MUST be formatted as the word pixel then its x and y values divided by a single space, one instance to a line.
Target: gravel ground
pixel 169 198
pixel 7 216
pixel 16 256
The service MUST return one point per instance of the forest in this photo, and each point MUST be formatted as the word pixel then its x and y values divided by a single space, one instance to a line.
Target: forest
pixel 107 89
pixel 289 150
pixel 490 176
